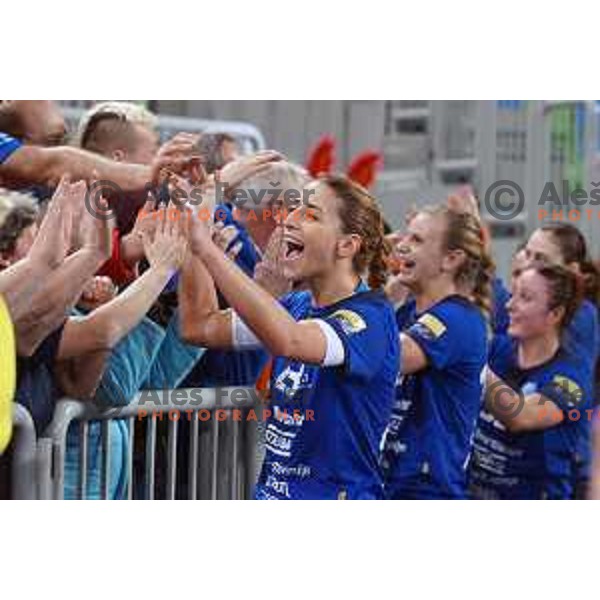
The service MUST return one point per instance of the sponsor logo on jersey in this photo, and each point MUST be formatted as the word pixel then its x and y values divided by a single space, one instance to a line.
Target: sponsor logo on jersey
pixel 350 321
pixel 433 325
pixel 569 387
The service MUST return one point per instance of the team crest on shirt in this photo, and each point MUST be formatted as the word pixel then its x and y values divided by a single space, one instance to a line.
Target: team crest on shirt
pixel 569 387
pixel 291 379
pixel 432 326
pixel 350 321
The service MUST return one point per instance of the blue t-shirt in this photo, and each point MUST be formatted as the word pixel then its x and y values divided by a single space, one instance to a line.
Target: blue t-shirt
pixel 329 448
pixel 536 464
pixel 8 145
pixel 428 439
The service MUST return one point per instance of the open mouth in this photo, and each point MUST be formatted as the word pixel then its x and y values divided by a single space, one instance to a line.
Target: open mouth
pixel 293 249
pixel 514 320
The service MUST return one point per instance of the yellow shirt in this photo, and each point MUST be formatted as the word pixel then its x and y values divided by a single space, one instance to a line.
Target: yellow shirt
pixel 7 375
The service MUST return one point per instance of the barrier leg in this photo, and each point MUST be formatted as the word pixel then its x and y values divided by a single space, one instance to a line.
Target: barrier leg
pixel 44 468
pixel 24 456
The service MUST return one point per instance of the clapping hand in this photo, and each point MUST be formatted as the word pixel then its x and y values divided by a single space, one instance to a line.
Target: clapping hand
pixel 167 247
pixel 54 239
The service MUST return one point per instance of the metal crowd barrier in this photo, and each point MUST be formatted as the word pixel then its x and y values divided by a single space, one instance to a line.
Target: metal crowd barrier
pixel 221 452
pixel 23 465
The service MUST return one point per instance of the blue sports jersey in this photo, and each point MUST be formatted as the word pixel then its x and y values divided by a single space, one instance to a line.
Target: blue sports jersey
pixel 581 337
pixel 500 297
pixel 428 439
pixel 8 145
pixel 329 448
pixel 536 464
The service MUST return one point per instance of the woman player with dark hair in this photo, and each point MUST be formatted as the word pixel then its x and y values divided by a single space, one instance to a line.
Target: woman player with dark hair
pixel 537 415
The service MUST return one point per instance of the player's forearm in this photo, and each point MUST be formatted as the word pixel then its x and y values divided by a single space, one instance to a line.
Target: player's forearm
pixel 256 307
pixel 413 358
pixel 519 412
pixel 201 322
pixel 500 399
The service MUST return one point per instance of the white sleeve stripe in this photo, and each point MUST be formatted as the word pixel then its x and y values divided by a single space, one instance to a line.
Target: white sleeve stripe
pixel 242 336
pixel 335 353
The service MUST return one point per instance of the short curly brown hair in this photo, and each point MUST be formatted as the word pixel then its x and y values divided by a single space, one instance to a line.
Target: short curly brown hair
pixel 18 211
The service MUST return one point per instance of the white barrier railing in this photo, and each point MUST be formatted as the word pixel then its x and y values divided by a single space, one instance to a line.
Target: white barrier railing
pixel 209 431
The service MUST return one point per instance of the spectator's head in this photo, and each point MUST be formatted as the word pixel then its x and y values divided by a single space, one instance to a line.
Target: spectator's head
pixel 216 149
pixel 18 226
pixel 122 131
pixel 38 122
pixel 268 196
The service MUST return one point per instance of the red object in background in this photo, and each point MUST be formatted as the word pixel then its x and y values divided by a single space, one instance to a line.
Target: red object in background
pixel 322 157
pixel 264 380
pixel 363 168
pixel 115 267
